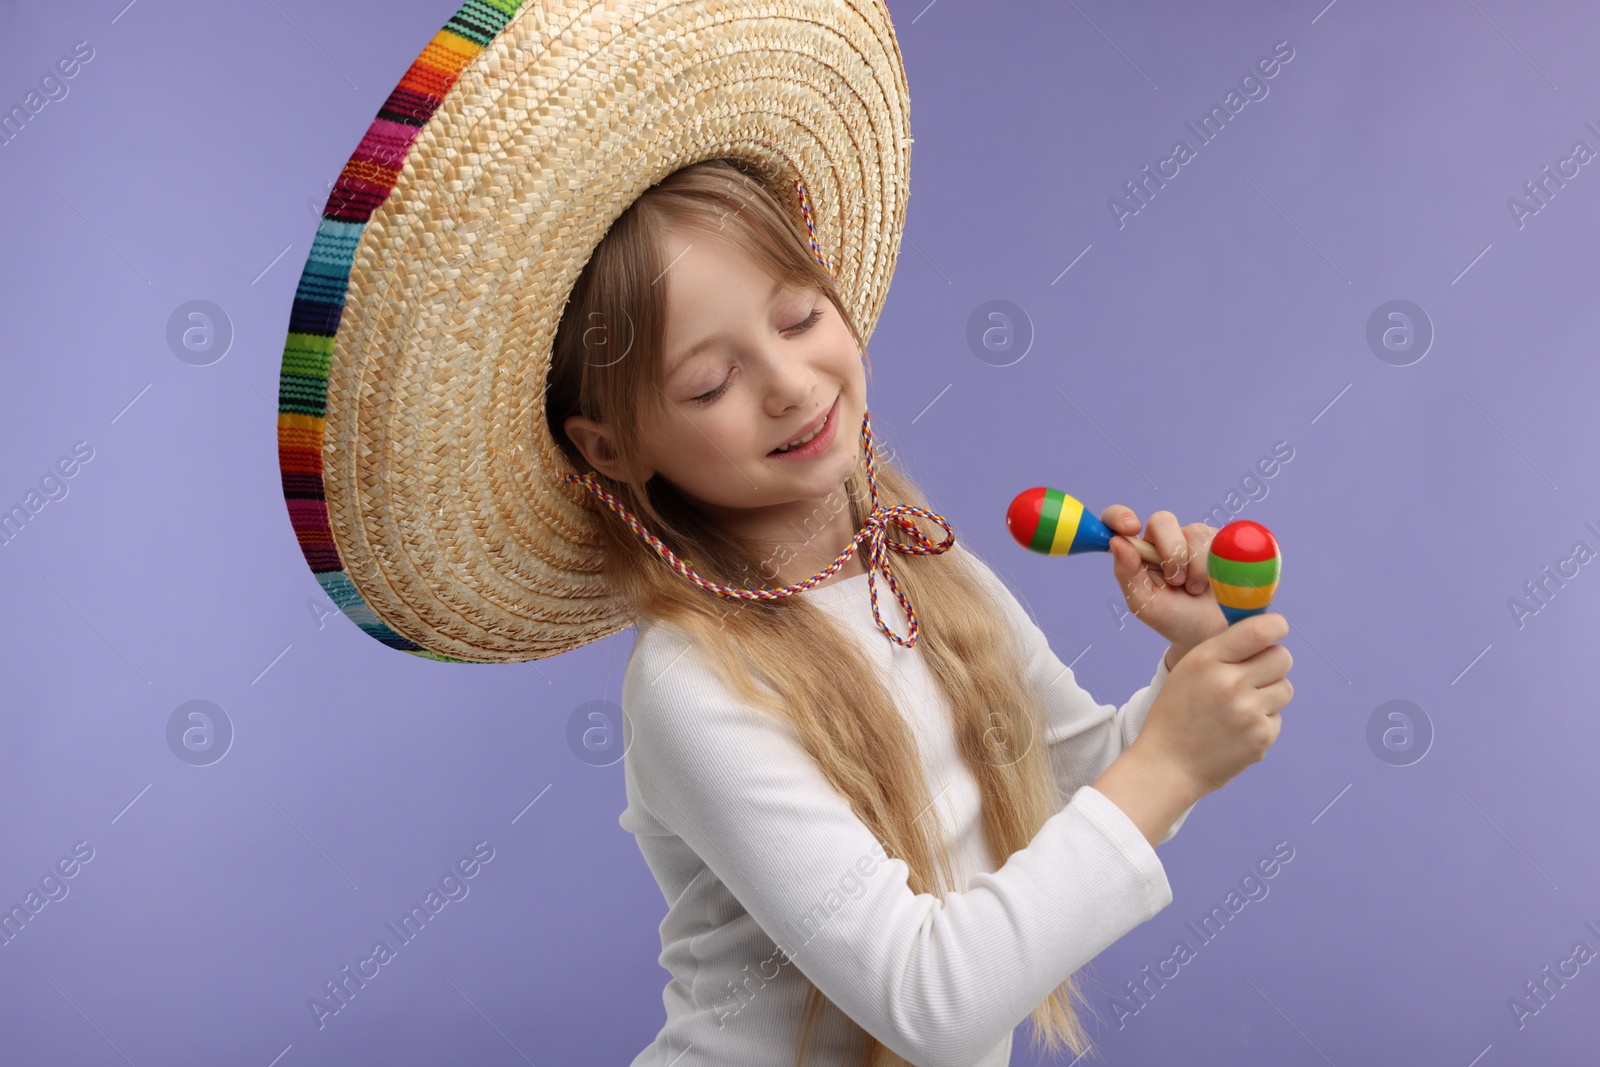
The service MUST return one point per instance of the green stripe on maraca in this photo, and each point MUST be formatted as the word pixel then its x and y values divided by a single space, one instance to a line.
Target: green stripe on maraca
pixel 1235 572
pixel 1050 507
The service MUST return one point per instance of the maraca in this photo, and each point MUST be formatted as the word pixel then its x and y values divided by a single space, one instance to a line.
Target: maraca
pixel 1052 523
pixel 1244 567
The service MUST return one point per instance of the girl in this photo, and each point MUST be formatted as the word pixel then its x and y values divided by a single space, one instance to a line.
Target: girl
pixel 887 822
pixel 887 827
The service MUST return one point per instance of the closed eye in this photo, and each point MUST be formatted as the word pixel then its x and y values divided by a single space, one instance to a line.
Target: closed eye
pixel 800 327
pixel 807 322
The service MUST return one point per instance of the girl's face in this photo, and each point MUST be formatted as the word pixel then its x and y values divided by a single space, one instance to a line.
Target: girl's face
pixel 750 368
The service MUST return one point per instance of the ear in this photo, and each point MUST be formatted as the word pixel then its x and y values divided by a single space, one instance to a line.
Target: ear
pixel 594 441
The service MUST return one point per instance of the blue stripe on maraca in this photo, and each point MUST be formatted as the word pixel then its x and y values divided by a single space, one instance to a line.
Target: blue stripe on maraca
pixel 1233 615
pixel 1092 535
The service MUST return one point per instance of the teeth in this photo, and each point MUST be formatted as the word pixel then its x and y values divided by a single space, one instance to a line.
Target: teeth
pixel 807 437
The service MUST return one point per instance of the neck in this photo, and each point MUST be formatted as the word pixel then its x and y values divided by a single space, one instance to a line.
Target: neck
pixel 809 555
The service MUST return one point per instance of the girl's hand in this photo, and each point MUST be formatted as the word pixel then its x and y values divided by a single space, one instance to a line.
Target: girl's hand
pixel 1218 713
pixel 1173 599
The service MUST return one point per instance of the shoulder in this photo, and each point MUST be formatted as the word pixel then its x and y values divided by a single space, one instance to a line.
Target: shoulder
pixel 655 645
pixel 669 686
pixel 693 747
pixel 665 668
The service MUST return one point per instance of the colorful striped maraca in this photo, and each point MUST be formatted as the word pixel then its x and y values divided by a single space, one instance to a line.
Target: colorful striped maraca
pixel 1244 568
pixel 1052 523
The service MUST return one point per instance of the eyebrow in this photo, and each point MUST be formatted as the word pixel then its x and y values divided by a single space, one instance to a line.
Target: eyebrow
pixel 704 342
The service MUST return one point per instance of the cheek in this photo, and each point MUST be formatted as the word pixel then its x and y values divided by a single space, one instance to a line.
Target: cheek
pixel 840 333
pixel 841 346
pixel 711 435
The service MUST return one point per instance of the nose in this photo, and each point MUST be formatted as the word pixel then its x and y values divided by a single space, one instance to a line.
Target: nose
pixel 790 381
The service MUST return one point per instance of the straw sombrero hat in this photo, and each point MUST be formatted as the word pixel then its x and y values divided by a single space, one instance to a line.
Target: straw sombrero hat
pixel 421 479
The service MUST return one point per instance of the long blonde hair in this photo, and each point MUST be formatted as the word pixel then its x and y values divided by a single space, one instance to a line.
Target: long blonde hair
pixel 845 716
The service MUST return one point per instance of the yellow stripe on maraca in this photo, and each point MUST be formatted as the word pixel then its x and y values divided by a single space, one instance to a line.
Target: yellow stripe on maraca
pixel 1243 597
pixel 1066 525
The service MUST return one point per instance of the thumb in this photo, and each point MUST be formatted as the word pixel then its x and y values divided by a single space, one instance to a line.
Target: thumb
pixel 1249 636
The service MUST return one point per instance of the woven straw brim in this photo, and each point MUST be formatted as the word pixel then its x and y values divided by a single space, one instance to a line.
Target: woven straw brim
pixel 421 478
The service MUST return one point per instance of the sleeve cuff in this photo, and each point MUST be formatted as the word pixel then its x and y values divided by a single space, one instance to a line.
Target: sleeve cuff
pixel 1120 830
pixel 1178 823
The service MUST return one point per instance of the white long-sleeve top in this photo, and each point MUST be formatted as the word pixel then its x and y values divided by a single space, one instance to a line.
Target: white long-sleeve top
pixel 766 868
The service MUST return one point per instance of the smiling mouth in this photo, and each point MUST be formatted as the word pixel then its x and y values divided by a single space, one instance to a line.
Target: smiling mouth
pixel 821 429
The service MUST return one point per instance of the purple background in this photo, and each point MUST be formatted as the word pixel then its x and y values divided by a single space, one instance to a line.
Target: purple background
pixel 1229 314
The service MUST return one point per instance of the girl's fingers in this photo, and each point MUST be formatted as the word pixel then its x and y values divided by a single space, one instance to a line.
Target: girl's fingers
pixel 1120 519
pixel 1123 558
pixel 1127 565
pixel 1172 544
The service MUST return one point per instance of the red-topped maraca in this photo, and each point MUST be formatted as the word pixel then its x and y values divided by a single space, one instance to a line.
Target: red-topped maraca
pixel 1244 568
pixel 1052 523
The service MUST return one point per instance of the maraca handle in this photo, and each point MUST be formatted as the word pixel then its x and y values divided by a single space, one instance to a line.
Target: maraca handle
pixel 1146 550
